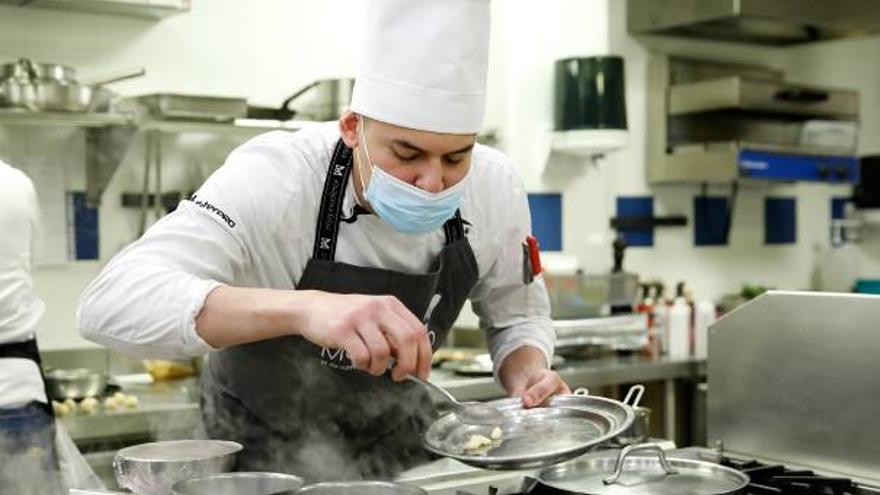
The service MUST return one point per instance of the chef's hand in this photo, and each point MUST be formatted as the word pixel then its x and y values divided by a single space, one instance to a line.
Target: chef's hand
pixel 371 330
pixel 524 373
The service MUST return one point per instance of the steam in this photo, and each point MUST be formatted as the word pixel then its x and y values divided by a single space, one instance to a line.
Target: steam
pixel 27 458
pixel 364 444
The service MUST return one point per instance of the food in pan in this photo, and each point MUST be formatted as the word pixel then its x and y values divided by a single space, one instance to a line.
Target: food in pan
pixel 480 444
pixel 477 442
pixel 496 433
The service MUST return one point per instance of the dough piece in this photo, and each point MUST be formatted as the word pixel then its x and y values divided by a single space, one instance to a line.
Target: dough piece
pixel 496 433
pixel 130 401
pixel 476 442
pixel 88 405
pixel 60 408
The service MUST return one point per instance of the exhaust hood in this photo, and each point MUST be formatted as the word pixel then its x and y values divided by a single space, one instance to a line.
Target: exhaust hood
pixel 765 22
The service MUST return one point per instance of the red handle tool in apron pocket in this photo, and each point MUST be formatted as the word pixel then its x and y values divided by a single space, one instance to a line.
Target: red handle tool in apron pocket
pixel 531 259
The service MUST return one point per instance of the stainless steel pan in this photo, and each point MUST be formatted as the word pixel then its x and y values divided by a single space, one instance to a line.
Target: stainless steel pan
pixel 73 96
pixel 531 438
pixel 640 470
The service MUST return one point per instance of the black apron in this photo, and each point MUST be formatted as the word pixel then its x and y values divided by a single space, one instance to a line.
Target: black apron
pixel 28 350
pixel 302 409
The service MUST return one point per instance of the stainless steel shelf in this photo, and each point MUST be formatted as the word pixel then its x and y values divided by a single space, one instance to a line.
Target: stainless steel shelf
pixel 71 119
pixel 108 135
pixel 239 126
pixel 150 9
pixel 158 420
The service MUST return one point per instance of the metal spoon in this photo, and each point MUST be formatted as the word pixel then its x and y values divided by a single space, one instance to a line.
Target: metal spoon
pixel 475 413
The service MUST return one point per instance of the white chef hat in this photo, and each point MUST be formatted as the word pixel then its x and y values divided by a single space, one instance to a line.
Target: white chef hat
pixel 423 64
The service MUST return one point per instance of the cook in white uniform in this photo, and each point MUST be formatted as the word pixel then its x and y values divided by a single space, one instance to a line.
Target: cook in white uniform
pixel 309 260
pixel 28 462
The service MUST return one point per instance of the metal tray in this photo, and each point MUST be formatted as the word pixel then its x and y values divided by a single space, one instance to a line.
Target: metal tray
pixel 568 427
pixel 194 107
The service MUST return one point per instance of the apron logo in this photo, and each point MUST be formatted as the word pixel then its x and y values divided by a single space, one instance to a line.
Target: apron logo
pixel 338 170
pixel 435 301
pixel 325 243
pixel 337 359
pixel 333 354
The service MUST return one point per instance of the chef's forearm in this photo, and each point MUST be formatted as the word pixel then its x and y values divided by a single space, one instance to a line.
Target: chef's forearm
pixel 239 315
pixel 518 366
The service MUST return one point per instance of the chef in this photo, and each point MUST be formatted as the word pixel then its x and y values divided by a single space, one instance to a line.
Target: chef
pixel 321 267
pixel 28 461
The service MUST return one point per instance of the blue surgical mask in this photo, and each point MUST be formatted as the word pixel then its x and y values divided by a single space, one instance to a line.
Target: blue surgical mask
pixel 404 206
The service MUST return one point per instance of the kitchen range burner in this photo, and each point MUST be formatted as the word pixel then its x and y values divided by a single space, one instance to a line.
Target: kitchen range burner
pixel 768 479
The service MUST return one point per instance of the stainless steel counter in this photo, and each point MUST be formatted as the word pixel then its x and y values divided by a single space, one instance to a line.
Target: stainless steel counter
pixel 166 410
pixel 590 373
pixel 169 410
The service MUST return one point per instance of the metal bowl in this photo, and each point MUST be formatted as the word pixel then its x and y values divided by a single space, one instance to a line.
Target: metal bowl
pixel 361 488
pixel 76 383
pixel 154 468
pixel 239 483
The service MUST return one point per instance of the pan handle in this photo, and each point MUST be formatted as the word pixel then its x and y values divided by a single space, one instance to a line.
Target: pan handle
pixel 626 451
pixel 119 75
pixel 583 392
pixel 637 391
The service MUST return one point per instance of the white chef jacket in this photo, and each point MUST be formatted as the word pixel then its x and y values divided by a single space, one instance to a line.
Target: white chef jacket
pixel 20 308
pixel 252 224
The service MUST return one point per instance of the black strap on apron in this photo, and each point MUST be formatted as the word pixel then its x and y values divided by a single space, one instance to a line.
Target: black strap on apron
pixel 330 212
pixel 28 350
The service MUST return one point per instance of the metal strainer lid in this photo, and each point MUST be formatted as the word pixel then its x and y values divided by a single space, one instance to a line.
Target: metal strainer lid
pixel 654 474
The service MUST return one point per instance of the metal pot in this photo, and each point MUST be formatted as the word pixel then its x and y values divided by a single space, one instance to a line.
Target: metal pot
pixel 27 69
pixel 361 488
pixel 652 474
pixel 18 85
pixel 322 100
pixel 154 468
pixel 51 87
pixel 238 483
pixel 77 383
